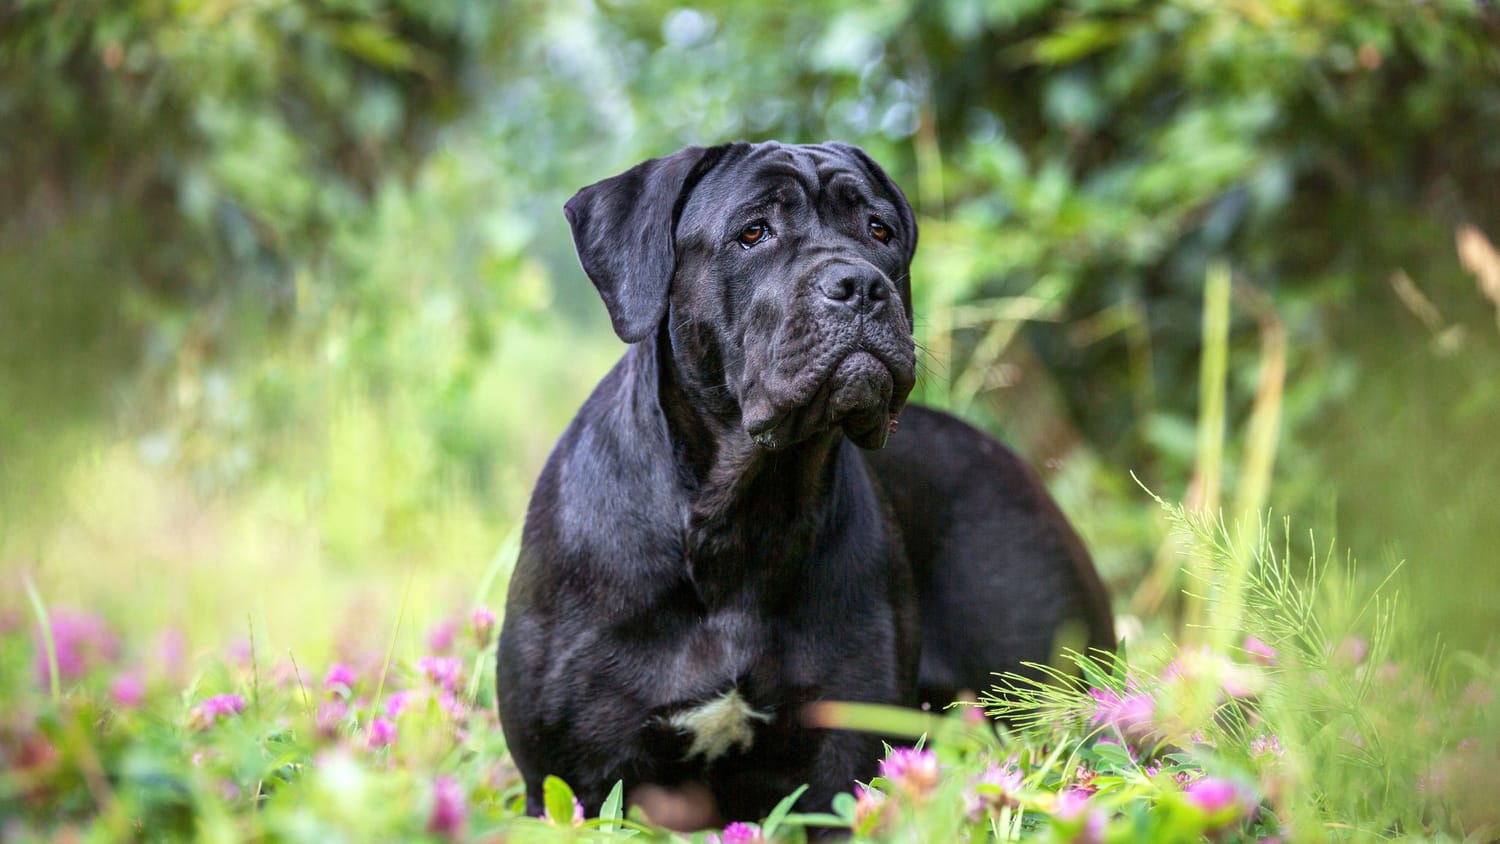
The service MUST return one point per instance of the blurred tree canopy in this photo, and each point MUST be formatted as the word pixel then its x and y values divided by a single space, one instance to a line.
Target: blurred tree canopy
pixel 215 217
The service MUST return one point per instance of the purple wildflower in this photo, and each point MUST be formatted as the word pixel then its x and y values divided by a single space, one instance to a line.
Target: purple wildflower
pixel 869 808
pixel 1083 780
pixel 382 733
pixel 440 636
pixel 1235 679
pixel 212 710
pixel 1202 664
pixel 80 640
pixel 1075 811
pixel 451 705
pixel 240 651
pixel 483 622
pixel 171 650
pixel 331 714
pixel 991 791
pixel 441 670
pixel 128 690
pixel 1352 650
pixel 1390 674
pixel 1266 744
pixel 224 705
pixel 449 808
pixel 1071 803
pixel 1477 695
pixel 1223 801
pixel 1260 651
pixel 1129 713
pixel 396 703
pixel 1240 681
pixel 913 771
pixel 1211 794
pixel 737 833
pixel 340 677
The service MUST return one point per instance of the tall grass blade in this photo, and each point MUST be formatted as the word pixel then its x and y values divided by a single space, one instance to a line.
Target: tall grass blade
pixel 390 649
pixel 39 607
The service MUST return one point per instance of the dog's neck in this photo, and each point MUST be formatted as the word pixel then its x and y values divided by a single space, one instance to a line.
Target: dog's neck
pixel 754 516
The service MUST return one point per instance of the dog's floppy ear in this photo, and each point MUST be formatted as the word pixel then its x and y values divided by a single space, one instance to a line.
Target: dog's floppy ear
pixel 623 231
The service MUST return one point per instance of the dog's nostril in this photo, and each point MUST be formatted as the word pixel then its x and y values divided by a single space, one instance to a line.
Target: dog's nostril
pixel 858 292
pixel 840 290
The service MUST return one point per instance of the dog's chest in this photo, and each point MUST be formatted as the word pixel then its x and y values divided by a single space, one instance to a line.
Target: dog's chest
pixel 718 726
pixel 730 681
pixel 715 653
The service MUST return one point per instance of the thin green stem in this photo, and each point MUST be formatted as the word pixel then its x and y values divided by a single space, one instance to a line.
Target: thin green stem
pixel 40 608
pixel 390 649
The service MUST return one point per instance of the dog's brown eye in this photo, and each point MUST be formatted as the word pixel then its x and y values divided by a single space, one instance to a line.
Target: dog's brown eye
pixel 753 234
pixel 880 231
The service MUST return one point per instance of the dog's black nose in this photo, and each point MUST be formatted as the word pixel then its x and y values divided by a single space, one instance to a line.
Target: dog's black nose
pixel 862 292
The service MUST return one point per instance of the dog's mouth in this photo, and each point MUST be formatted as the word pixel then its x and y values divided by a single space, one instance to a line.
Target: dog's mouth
pixel 862 395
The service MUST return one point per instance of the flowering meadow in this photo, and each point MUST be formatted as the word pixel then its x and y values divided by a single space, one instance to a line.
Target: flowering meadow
pixel 1301 722
pixel 290 317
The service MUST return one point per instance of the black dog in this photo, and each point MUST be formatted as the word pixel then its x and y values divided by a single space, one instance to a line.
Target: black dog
pixel 709 548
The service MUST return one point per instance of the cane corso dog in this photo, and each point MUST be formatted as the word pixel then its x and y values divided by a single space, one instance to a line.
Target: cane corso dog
pixel 723 535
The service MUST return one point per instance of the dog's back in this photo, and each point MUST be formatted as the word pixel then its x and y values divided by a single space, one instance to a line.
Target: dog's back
pixel 1002 577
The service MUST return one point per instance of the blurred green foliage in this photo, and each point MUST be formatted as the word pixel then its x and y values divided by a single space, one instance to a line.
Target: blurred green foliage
pixel 311 252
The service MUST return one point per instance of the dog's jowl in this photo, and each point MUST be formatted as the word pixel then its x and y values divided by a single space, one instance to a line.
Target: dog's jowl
pixel 724 535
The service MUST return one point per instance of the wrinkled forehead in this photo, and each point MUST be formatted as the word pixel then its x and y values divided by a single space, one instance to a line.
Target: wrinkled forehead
pixel 767 176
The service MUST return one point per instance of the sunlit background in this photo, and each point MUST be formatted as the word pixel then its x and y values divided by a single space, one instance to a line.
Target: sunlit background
pixel 289 314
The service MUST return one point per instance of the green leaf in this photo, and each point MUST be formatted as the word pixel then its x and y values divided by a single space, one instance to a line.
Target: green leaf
pixel 1093 673
pixel 558 797
pixel 843 806
pixel 1071 43
pixel 874 718
pixel 1114 755
pixel 375 45
pixel 613 804
pixel 778 814
pixel 821 819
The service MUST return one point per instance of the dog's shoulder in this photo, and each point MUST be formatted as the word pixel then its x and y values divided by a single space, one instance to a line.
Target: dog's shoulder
pixel 607 491
pixel 616 444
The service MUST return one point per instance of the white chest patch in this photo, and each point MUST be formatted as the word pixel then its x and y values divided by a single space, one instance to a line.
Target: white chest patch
pixel 723 724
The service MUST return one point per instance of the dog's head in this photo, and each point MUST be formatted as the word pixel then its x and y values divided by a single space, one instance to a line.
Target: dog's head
pixel 781 272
